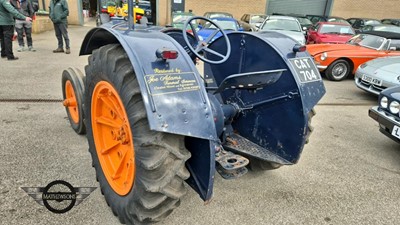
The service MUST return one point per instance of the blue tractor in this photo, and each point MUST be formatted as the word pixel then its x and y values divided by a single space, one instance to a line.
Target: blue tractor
pixel 153 122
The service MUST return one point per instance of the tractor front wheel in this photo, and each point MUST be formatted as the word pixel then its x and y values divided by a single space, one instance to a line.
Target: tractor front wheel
pixel 141 172
pixel 73 91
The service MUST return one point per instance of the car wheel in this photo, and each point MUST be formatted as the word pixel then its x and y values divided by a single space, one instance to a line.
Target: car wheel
pixel 141 172
pixel 338 70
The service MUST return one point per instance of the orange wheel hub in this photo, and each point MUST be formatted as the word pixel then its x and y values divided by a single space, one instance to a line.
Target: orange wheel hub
pixel 71 102
pixel 113 138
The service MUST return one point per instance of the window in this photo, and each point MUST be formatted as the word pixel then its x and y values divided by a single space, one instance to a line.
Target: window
pixel 395 44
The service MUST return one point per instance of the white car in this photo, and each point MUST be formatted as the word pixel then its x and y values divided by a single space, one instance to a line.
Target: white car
pixel 378 74
pixel 287 25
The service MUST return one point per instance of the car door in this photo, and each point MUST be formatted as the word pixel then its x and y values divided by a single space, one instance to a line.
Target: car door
pixel 244 23
pixel 394 47
pixel 366 28
pixel 312 33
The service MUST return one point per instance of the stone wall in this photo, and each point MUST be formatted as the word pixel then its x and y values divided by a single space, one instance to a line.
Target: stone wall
pixel 42 23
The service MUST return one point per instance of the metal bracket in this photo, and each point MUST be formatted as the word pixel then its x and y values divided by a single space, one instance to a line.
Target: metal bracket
pixel 230 165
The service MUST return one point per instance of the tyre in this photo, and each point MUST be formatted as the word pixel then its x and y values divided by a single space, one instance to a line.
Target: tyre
pixel 261 165
pixel 338 70
pixel 141 172
pixel 73 95
pixel 310 128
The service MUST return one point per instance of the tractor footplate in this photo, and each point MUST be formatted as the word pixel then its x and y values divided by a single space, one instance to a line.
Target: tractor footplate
pixel 230 165
pixel 241 145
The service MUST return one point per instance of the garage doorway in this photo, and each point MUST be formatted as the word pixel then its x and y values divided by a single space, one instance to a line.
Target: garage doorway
pixel 310 7
pixel 150 7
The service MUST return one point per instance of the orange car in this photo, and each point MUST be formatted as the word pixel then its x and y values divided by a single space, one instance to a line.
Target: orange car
pixel 340 60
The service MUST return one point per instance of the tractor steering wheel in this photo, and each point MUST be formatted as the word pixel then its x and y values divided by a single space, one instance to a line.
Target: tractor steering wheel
pixel 202 45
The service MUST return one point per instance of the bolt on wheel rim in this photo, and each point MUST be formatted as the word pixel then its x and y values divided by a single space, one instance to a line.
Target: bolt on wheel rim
pixel 113 138
pixel 71 102
pixel 339 70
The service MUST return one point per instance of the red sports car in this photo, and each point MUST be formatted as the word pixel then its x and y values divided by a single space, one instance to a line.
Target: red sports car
pixel 329 33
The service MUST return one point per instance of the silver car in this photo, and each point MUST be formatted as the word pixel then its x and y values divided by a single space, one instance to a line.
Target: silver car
pixel 378 74
pixel 287 25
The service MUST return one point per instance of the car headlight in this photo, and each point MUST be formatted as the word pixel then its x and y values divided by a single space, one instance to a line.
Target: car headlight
pixel 394 107
pixel 384 102
pixel 362 66
pixel 324 56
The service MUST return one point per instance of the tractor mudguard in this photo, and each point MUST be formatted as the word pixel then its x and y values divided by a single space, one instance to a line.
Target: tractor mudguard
pixel 173 92
pixel 275 117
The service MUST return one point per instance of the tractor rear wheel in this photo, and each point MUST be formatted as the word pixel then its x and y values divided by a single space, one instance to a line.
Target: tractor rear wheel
pixel 141 172
pixel 73 89
pixel 261 165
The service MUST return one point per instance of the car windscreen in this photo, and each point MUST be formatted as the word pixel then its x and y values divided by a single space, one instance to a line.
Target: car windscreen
pixel 372 22
pixel 257 18
pixel 395 29
pixel 337 20
pixel 304 21
pixel 367 40
pixel 180 18
pixel 336 29
pixel 220 15
pixel 224 24
pixel 281 24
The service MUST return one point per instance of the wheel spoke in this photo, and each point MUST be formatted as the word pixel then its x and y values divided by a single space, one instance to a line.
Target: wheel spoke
pixel 199 48
pixel 213 52
pixel 117 172
pixel 209 38
pixel 107 122
pixel 111 105
pixel 107 150
pixel 194 32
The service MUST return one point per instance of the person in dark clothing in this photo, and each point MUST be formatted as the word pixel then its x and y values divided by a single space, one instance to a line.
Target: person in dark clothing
pixel 58 15
pixel 7 14
pixel 21 26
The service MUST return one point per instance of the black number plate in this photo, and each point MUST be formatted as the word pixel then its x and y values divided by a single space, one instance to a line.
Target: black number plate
pixel 305 69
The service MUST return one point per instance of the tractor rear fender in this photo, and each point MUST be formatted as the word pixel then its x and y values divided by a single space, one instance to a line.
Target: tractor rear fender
pixel 277 116
pixel 173 92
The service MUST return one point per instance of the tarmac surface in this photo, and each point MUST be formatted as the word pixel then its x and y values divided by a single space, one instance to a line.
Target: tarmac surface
pixel 349 173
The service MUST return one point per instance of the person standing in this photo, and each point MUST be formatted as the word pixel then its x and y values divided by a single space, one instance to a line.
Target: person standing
pixel 7 14
pixel 21 26
pixel 58 15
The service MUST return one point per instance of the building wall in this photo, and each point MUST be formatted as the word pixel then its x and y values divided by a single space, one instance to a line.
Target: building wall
pixel 366 8
pixel 344 8
pixel 75 10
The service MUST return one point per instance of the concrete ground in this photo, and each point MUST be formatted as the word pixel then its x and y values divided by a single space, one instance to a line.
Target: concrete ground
pixel 349 173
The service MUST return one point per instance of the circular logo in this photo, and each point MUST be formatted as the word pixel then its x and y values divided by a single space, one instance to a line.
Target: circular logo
pixel 59 196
